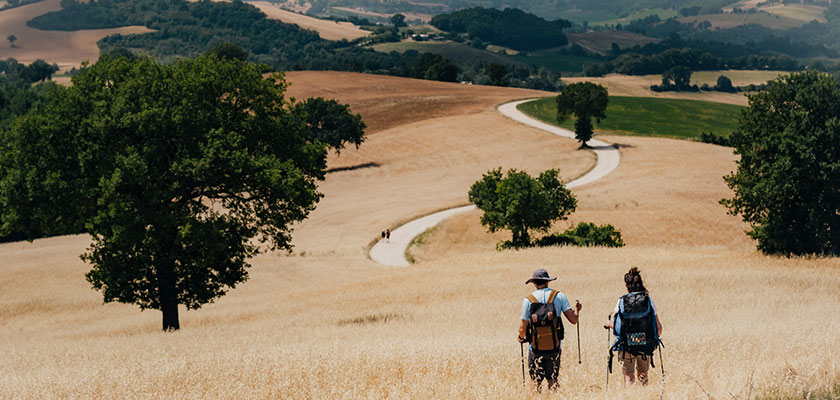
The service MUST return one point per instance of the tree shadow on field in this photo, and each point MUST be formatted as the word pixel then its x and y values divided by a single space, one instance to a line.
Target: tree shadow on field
pixel 614 146
pixel 617 146
pixel 353 167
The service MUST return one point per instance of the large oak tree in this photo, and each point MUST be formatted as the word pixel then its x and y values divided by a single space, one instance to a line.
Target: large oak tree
pixel 519 202
pixel 180 173
pixel 586 100
pixel 787 184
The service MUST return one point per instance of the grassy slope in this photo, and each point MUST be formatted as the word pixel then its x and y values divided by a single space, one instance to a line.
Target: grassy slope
pixel 642 116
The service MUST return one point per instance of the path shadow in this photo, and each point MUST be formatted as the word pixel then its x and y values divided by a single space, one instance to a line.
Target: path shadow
pixel 353 167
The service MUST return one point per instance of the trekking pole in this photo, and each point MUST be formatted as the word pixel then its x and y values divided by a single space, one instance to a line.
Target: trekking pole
pixel 661 365
pixel 609 356
pixel 578 332
pixel 522 357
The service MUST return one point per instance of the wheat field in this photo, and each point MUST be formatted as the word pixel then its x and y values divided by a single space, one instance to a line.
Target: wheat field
pixel 325 322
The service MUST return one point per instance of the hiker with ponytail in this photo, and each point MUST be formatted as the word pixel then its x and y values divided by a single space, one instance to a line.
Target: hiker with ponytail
pixel 636 327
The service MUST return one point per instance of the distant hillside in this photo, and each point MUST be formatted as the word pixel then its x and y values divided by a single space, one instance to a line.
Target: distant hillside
pixel 510 27
pixel 574 10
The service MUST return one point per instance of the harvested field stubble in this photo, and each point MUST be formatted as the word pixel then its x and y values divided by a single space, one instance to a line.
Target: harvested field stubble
pixel 327 322
pixel 452 333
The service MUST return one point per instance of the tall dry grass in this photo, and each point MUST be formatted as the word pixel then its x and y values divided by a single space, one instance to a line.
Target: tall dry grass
pixel 334 327
pixel 327 323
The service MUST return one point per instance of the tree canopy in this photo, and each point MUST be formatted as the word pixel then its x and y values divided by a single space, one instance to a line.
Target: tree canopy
pixel 519 203
pixel 174 170
pixel 510 27
pixel 586 100
pixel 787 182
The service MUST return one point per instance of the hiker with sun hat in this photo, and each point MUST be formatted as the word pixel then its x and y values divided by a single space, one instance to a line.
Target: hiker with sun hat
pixel 542 328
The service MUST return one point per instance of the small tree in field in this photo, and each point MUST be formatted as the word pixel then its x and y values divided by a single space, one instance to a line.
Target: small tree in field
pixel 174 170
pixel 398 20
pixel 586 100
pixel 678 78
pixel 11 39
pixel 787 183
pixel 519 202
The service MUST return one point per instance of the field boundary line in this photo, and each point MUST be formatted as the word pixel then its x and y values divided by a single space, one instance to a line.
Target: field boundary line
pixel 392 252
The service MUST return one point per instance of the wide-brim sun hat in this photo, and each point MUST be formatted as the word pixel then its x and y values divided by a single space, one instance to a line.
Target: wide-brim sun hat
pixel 540 275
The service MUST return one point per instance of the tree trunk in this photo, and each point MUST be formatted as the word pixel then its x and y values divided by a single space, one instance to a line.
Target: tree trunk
pixel 168 299
pixel 170 316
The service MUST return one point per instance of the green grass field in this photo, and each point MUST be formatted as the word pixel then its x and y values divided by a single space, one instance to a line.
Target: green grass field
pixel 645 116
pixel 555 61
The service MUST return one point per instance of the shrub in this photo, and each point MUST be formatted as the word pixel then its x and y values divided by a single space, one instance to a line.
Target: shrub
pixel 584 234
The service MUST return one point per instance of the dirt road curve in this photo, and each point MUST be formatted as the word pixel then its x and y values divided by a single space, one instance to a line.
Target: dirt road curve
pixel 392 252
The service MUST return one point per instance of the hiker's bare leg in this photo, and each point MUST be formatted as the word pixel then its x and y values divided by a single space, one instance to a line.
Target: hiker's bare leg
pixel 552 385
pixel 536 386
pixel 629 379
pixel 643 377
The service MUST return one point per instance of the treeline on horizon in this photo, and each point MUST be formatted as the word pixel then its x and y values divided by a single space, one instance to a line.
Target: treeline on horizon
pixel 749 46
pixel 186 29
pixel 510 27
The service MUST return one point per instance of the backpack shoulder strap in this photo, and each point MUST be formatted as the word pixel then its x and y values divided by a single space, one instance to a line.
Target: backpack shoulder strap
pixel 552 296
pixel 531 298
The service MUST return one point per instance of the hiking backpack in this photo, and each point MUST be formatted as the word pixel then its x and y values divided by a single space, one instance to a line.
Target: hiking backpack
pixel 545 329
pixel 635 325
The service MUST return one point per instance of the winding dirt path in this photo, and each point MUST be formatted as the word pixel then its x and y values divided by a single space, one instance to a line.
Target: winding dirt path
pixel 392 252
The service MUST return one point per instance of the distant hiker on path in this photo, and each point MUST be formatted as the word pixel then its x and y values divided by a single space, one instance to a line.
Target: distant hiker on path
pixel 636 327
pixel 542 328
pixel 383 234
pixel 388 235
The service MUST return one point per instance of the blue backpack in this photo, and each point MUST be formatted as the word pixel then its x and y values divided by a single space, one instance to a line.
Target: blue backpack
pixel 634 325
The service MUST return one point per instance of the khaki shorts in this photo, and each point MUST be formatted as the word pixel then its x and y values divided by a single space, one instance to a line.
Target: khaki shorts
pixel 631 363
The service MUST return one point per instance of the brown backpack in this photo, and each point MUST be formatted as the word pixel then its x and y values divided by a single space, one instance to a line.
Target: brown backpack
pixel 545 328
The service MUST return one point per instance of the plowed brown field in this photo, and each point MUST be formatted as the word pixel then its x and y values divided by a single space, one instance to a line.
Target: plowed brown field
pixel 67 49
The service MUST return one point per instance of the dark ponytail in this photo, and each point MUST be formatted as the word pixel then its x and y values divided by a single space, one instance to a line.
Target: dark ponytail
pixel 633 281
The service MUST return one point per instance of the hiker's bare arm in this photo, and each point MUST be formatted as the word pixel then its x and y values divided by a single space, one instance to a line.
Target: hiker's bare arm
pixel 658 325
pixel 572 313
pixel 522 327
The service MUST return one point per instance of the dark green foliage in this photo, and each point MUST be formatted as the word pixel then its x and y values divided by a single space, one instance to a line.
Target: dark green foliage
pixel 398 20
pixel 787 182
pixel 724 84
pixel 497 74
pixel 17 95
pixel 510 28
pixel 711 137
pixel 584 100
pixel 585 234
pixel 228 51
pixel 659 58
pixel 331 123
pixel 188 29
pixel 519 202
pixel 434 67
pixel 174 170
pixel 677 79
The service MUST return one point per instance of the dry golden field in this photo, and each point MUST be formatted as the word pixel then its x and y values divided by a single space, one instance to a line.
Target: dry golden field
pixel 67 49
pixel 328 323
pixel 329 30
pixel 639 85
